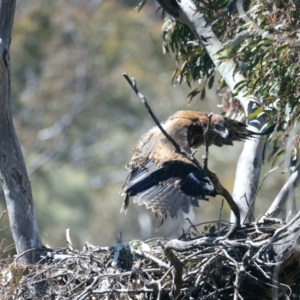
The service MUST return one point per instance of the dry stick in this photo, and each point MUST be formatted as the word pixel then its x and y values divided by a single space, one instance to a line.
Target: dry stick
pixel 3 213
pixel 31 250
pixel 153 258
pixel 237 281
pixel 178 269
pixel 254 197
pixel 2 229
pixel 68 239
pixel 88 291
pixel 121 291
pixel 195 228
pixel 220 217
pixel 132 83
pixel 223 192
pixel 213 177
pixel 249 206
pixel 205 158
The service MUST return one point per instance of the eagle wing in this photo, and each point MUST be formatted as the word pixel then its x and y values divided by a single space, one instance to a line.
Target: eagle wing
pixel 166 181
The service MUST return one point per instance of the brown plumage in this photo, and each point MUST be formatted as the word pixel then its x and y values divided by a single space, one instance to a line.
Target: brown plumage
pixel 165 180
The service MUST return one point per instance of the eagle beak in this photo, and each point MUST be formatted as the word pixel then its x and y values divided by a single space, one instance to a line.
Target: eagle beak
pixel 223 131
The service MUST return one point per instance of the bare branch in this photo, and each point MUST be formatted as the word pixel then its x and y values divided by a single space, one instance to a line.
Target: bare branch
pixel 132 83
pixel 284 194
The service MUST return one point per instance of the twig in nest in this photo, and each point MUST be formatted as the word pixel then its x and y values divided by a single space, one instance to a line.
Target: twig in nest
pixel 237 281
pixel 178 269
pixel 31 250
pixel 254 197
pixel 154 259
pixel 249 208
pixel 220 217
pixel 68 238
pixel 195 228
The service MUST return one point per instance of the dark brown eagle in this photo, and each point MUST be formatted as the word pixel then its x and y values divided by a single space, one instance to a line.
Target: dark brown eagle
pixel 165 180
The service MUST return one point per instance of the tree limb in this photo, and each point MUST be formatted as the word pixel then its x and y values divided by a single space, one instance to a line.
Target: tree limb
pixel 132 83
pixel 284 194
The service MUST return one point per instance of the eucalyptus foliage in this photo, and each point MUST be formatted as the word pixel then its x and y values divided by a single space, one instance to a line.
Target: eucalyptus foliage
pixel 263 39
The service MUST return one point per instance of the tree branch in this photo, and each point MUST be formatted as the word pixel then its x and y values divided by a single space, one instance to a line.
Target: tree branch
pixel 132 83
pixel 284 194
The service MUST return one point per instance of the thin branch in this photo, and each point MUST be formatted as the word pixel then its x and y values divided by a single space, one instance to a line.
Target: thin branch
pixel 194 227
pixel 68 238
pixel 253 199
pixel 249 209
pixel 284 194
pixel 154 259
pixel 223 192
pixel 220 217
pixel 132 83
pixel 205 158
pixel 178 269
pixel 31 250
pixel 3 213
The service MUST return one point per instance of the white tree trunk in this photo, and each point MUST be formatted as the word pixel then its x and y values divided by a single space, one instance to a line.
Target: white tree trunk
pixel 13 172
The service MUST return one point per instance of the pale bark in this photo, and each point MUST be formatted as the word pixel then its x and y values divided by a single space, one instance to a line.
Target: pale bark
pixel 250 161
pixel 287 191
pixel 13 172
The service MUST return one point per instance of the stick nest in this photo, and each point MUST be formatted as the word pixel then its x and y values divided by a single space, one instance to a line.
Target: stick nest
pixel 260 261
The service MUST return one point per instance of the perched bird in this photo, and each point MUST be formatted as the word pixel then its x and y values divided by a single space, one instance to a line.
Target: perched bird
pixel 164 179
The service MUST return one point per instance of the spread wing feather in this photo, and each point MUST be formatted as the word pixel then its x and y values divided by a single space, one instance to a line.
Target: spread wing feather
pixel 168 188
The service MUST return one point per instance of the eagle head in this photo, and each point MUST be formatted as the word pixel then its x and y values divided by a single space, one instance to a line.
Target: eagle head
pixel 219 127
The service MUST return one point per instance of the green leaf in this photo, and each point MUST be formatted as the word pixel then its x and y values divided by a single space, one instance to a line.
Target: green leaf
pixel 212 229
pixel 278 155
pixel 192 94
pixel 211 81
pixel 240 83
pixel 140 5
pixel 202 94
pixel 255 113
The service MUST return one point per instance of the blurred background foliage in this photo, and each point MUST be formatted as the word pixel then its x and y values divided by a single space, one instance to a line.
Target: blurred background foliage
pixel 77 119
